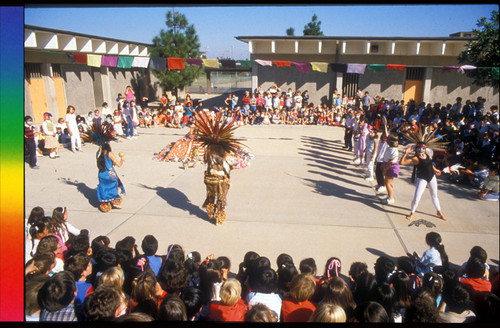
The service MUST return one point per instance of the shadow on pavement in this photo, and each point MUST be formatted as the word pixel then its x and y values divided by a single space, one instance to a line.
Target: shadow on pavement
pixel 89 193
pixel 177 199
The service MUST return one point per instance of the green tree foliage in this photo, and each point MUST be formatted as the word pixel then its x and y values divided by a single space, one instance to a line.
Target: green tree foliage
pixel 313 27
pixel 290 31
pixel 179 40
pixel 483 52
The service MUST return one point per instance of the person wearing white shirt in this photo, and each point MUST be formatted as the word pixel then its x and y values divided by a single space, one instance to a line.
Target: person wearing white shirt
pixel 76 141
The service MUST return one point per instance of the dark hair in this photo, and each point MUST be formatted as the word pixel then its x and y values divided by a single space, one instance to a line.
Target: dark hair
pixel 193 300
pixel 78 244
pixel 308 265
pixel 58 292
pixel 475 268
pixel 385 295
pixel 31 289
pixel 406 264
pixel 282 258
pixel 173 276
pixel 43 262
pixel 57 223
pixel 383 267
pixel 225 262
pixel 487 307
pixel 265 280
pixel 172 309
pixel 457 297
pixel 433 282
pixel 125 248
pixel 149 245
pixel 105 258
pixel 356 269
pixel 286 271
pixel 402 284
pixel 423 308
pixel 47 244
pixel 433 239
pixel 149 307
pixel 35 229
pixel 134 317
pixel 370 312
pixel 365 287
pixel 102 303
pixel 479 252
pixel 337 292
pixel 36 213
pixel 98 243
pixel 77 264
pixel 101 165
pixel 332 268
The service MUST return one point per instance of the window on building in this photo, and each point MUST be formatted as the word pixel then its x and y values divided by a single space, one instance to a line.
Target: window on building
pixel 415 73
pixel 32 71
pixel 350 84
pixel 56 70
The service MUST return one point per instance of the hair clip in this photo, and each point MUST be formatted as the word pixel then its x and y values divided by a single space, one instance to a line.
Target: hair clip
pixel 189 256
pixel 141 263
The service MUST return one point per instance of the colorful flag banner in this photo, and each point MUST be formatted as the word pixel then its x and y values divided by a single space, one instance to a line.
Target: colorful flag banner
pixel 194 61
pixel 462 68
pixel 212 63
pixel 175 63
pixel 376 67
pixel 71 57
pixel 319 66
pixel 450 68
pixel 109 61
pixel 125 61
pixel 140 62
pixel 264 62
pixel 395 66
pixel 80 58
pixel 303 67
pixel 94 60
pixel 282 63
pixel 340 68
pixel 245 63
pixel 158 63
pixel 356 68
pixel 228 63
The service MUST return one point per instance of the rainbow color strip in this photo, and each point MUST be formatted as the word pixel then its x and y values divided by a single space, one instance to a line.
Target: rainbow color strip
pixel 12 164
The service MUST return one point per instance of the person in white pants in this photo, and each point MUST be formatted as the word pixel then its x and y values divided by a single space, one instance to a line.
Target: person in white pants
pixel 371 152
pixel 72 125
pixel 425 176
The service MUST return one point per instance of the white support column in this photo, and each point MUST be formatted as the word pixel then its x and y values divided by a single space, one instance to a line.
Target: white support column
pixel 273 46
pixel 250 47
pixel 368 45
pixel 320 46
pixel 339 81
pixel 255 77
pixel 393 47
pixel 443 48
pixel 344 46
pixel 296 46
pixel 418 48
pixel 426 92
pixel 106 86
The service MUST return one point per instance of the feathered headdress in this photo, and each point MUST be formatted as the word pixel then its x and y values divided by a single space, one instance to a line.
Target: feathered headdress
pixel 216 134
pixel 98 134
pixel 426 137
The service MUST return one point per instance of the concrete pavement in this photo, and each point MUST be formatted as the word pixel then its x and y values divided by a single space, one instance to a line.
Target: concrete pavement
pixel 301 195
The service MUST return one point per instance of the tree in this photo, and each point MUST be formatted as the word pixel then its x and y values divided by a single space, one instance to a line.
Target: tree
pixel 313 27
pixel 179 40
pixel 483 52
pixel 290 31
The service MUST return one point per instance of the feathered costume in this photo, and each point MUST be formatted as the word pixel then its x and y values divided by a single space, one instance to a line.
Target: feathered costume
pixel 425 142
pixel 110 188
pixel 216 135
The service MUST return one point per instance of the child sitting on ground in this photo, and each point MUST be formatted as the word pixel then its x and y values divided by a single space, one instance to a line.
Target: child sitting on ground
pixel 489 189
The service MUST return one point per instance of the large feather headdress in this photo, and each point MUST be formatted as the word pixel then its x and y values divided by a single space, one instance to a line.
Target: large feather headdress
pixel 98 134
pixel 427 137
pixel 216 134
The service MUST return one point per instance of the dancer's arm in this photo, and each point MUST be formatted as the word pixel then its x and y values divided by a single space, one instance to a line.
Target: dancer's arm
pixel 406 161
pixel 115 161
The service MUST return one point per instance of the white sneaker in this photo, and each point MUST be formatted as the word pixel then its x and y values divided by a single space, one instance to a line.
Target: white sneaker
pixel 357 161
pixel 382 189
pixel 388 201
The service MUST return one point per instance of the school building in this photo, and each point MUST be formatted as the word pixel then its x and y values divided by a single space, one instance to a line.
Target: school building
pixel 422 65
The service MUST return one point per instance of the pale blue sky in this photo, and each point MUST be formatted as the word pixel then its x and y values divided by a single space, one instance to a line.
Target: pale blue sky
pixel 217 26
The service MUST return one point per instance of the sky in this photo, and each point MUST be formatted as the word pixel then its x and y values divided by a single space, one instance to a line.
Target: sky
pixel 217 26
